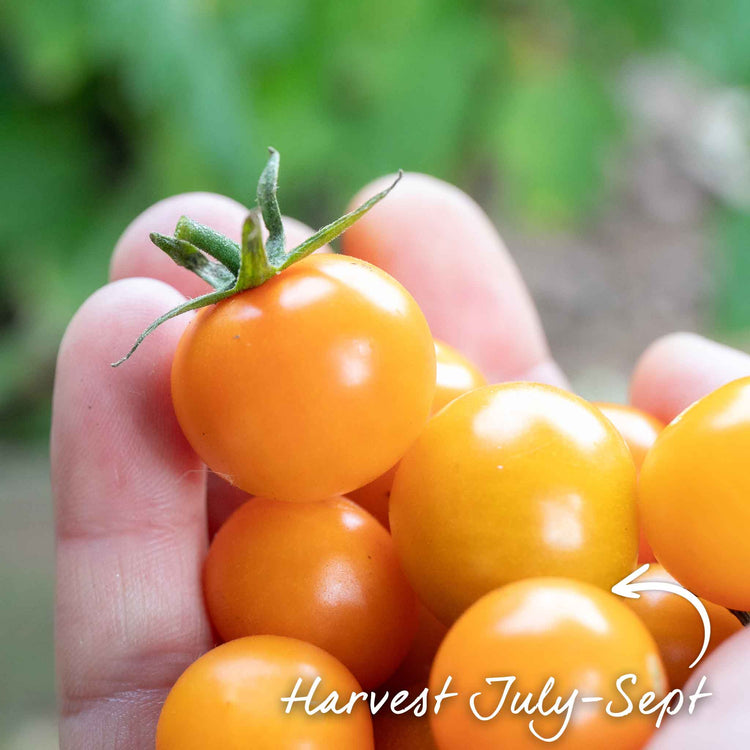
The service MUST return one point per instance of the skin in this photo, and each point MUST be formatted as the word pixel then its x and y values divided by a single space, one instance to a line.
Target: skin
pixel 511 481
pixel 533 629
pixel 693 494
pixel 639 430
pixel 454 375
pixel 233 694
pixel 129 610
pixel 324 572
pixel 677 627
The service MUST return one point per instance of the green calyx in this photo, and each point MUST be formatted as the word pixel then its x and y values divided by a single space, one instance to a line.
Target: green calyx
pixel 231 268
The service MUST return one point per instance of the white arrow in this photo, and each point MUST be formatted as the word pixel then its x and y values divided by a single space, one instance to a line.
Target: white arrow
pixel 629 588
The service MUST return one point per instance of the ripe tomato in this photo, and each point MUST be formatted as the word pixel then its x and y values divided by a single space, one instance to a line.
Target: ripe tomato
pixel 640 430
pixel 677 627
pixel 693 493
pixel 230 699
pixel 309 385
pixel 454 375
pixel 511 481
pixel 324 572
pixel 533 630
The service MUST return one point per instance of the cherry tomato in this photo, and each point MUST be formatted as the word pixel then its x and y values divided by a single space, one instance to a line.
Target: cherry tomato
pixel 230 699
pixel 455 375
pixel 533 630
pixel 309 385
pixel 693 492
pixel 640 430
pixel 677 627
pixel 325 572
pixel 511 481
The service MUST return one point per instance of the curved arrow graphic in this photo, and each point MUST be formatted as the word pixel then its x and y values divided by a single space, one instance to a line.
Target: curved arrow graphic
pixel 629 588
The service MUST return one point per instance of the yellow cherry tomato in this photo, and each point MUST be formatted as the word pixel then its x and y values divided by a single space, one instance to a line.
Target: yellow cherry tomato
pixel 454 376
pixel 676 626
pixel 511 481
pixel 640 430
pixel 307 386
pixel 694 494
pixel 532 630
pixel 230 699
pixel 325 572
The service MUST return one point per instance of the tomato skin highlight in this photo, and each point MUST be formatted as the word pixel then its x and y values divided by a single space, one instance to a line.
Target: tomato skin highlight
pixel 309 385
pixel 639 430
pixel 533 630
pixel 693 494
pixel 324 572
pixel 230 699
pixel 677 627
pixel 511 481
pixel 454 376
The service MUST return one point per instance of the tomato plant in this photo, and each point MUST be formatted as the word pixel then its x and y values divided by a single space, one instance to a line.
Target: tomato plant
pixel 533 630
pixel 511 481
pixel 324 572
pixel 693 492
pixel 454 375
pixel 230 699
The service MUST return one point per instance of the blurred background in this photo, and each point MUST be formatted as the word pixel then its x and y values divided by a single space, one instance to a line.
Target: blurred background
pixel 609 141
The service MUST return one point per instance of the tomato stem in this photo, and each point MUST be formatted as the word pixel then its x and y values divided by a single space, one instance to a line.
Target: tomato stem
pixel 236 268
pixel 743 617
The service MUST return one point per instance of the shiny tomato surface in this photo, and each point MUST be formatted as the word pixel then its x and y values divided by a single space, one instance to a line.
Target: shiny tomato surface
pixel 694 495
pixel 511 481
pixel 310 385
pixel 532 630
pixel 455 375
pixel 324 572
pixel 230 699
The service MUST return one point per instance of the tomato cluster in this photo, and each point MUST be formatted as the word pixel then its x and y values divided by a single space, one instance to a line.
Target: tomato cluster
pixel 384 549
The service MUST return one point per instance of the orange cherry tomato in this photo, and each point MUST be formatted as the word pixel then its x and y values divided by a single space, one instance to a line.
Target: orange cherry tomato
pixel 230 699
pixel 676 626
pixel 694 492
pixel 309 385
pixel 455 375
pixel 533 630
pixel 640 430
pixel 324 572
pixel 510 481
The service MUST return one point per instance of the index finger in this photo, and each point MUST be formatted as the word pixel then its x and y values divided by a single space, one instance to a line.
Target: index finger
pixel 442 247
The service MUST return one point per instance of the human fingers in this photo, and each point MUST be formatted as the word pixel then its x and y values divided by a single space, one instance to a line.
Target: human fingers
pixel 136 255
pixel 442 247
pixel 680 368
pixel 130 522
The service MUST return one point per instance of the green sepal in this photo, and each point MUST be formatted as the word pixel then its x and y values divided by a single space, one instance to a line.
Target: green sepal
pixel 238 268
pixel 226 251
pixel 188 256
pixel 269 206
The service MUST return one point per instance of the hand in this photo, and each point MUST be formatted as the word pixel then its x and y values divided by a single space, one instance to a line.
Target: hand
pixel 135 507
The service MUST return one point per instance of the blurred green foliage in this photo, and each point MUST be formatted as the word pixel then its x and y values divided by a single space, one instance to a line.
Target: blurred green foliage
pixel 109 105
